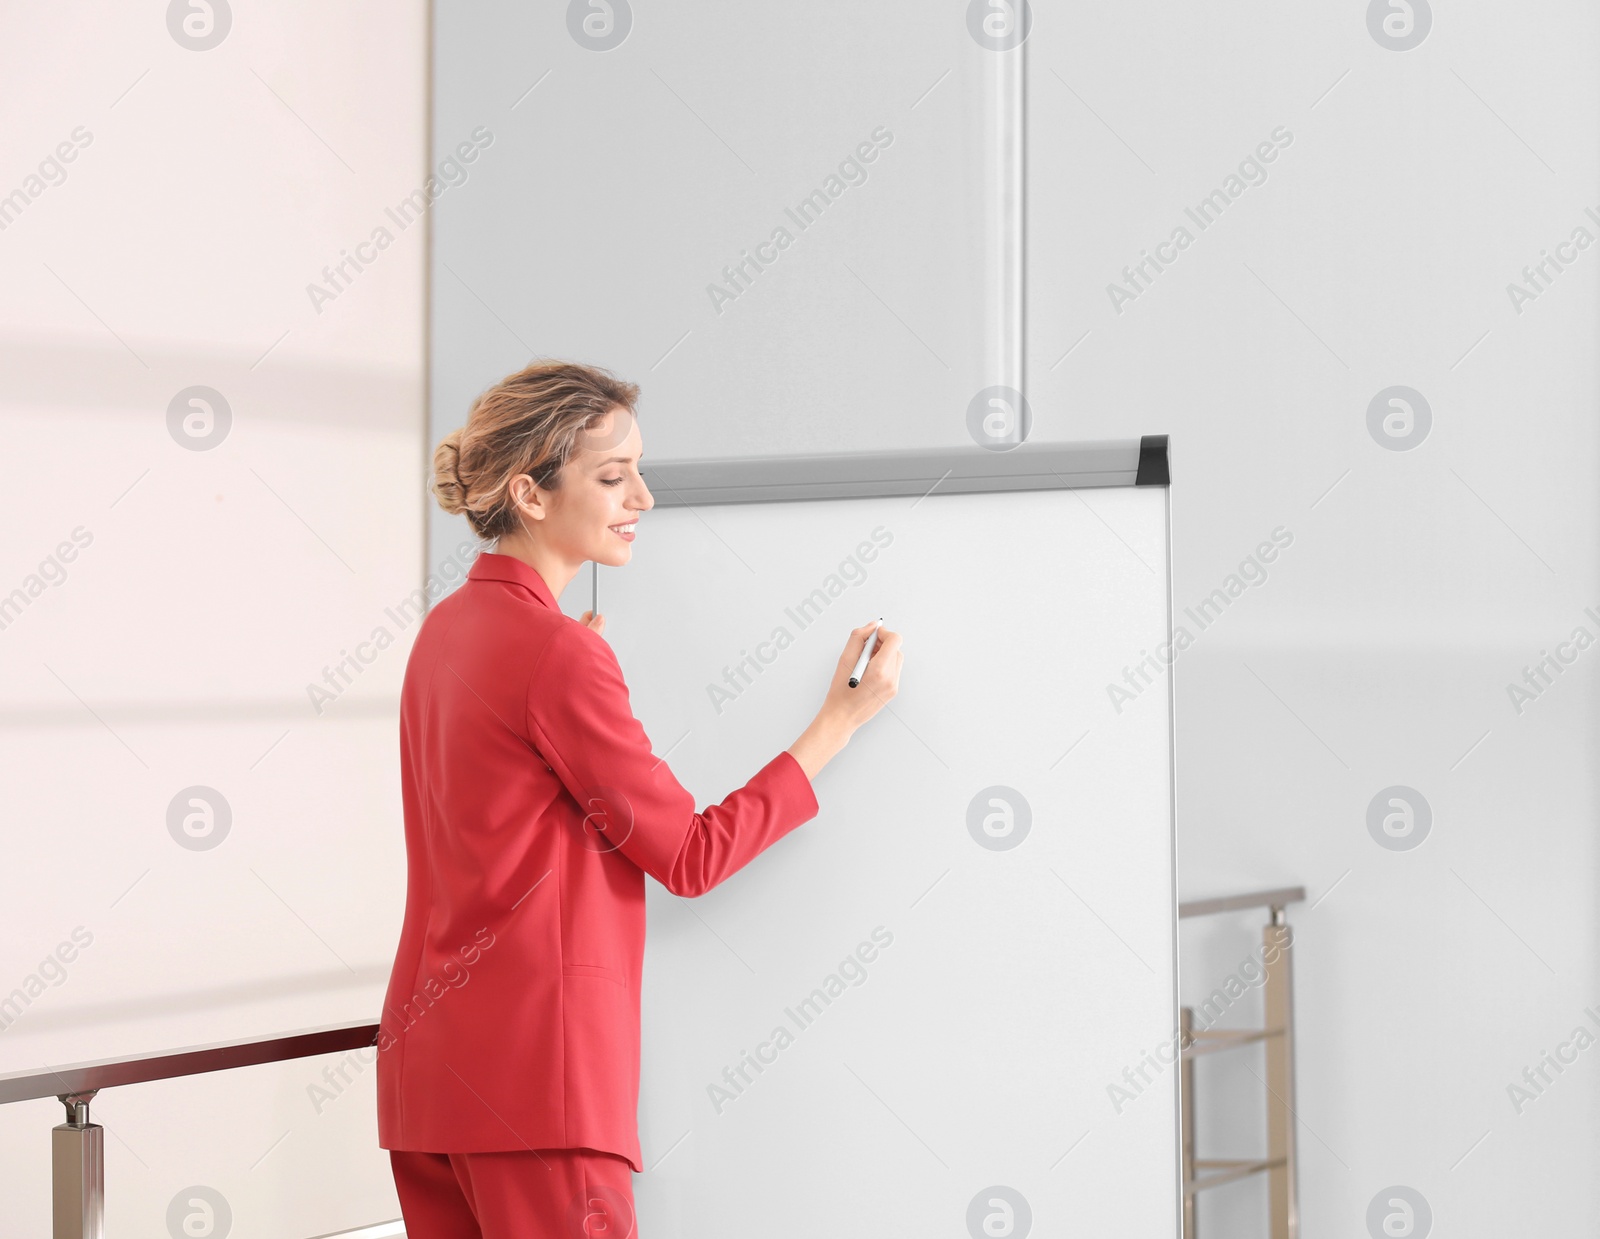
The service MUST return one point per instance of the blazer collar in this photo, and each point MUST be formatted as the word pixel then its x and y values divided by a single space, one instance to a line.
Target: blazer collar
pixel 490 566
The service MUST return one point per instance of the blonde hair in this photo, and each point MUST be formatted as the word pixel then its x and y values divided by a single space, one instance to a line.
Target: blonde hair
pixel 529 422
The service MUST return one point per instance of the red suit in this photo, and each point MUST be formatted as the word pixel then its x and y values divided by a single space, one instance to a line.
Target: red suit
pixel 534 807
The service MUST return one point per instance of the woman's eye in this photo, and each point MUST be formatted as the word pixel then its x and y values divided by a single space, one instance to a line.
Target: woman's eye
pixel 611 481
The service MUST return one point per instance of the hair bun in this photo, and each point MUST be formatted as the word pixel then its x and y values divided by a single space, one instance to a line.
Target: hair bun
pixel 447 486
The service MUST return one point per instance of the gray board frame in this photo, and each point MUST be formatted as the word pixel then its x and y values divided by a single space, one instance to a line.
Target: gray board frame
pixel 870 475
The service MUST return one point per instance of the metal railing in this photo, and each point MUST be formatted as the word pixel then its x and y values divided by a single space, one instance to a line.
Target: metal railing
pixel 1277 1032
pixel 77 1147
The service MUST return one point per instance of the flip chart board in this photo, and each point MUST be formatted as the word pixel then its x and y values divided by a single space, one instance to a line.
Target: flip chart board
pixel 946 1005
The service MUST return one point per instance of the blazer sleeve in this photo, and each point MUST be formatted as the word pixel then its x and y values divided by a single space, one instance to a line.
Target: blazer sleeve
pixel 581 721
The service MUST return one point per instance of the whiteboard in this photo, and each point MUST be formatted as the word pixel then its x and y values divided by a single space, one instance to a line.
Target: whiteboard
pixel 930 1014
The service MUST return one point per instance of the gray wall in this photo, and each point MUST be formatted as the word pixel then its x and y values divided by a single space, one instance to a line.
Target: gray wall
pixel 1420 576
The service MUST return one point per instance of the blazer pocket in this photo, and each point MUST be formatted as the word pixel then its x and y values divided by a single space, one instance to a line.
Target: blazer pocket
pixel 592 970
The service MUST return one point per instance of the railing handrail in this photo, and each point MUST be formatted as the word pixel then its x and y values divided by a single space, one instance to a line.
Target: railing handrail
pixel 251 1051
pixel 1278 898
pixel 191 1060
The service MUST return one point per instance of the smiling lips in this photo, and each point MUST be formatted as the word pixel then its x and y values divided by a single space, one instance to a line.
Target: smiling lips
pixel 625 532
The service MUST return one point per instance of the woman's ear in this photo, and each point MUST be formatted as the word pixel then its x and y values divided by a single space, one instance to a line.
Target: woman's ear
pixel 524 495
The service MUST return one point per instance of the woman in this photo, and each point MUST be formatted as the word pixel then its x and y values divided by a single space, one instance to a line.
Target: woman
pixel 508 1048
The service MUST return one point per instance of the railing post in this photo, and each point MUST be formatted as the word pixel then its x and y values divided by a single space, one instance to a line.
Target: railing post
pixel 1186 1117
pixel 78 1172
pixel 1283 1205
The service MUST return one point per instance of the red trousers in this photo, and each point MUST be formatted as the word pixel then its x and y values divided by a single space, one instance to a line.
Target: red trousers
pixel 525 1194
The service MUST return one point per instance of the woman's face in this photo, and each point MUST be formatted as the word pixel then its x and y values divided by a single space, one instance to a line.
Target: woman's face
pixel 600 491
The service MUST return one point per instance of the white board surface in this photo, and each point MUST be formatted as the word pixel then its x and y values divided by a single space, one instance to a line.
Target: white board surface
pixel 954 1075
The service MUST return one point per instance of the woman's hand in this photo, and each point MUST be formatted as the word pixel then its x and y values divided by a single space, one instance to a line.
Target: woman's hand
pixel 845 708
pixel 590 620
pixel 880 681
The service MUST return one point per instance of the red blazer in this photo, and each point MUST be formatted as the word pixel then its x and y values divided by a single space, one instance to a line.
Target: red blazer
pixel 534 807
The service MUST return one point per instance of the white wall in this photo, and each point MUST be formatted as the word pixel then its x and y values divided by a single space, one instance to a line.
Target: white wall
pixel 207 188
pixel 1419 582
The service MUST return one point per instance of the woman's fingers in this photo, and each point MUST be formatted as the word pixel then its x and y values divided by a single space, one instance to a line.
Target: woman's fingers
pixel 886 650
pixel 852 647
pixel 886 659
